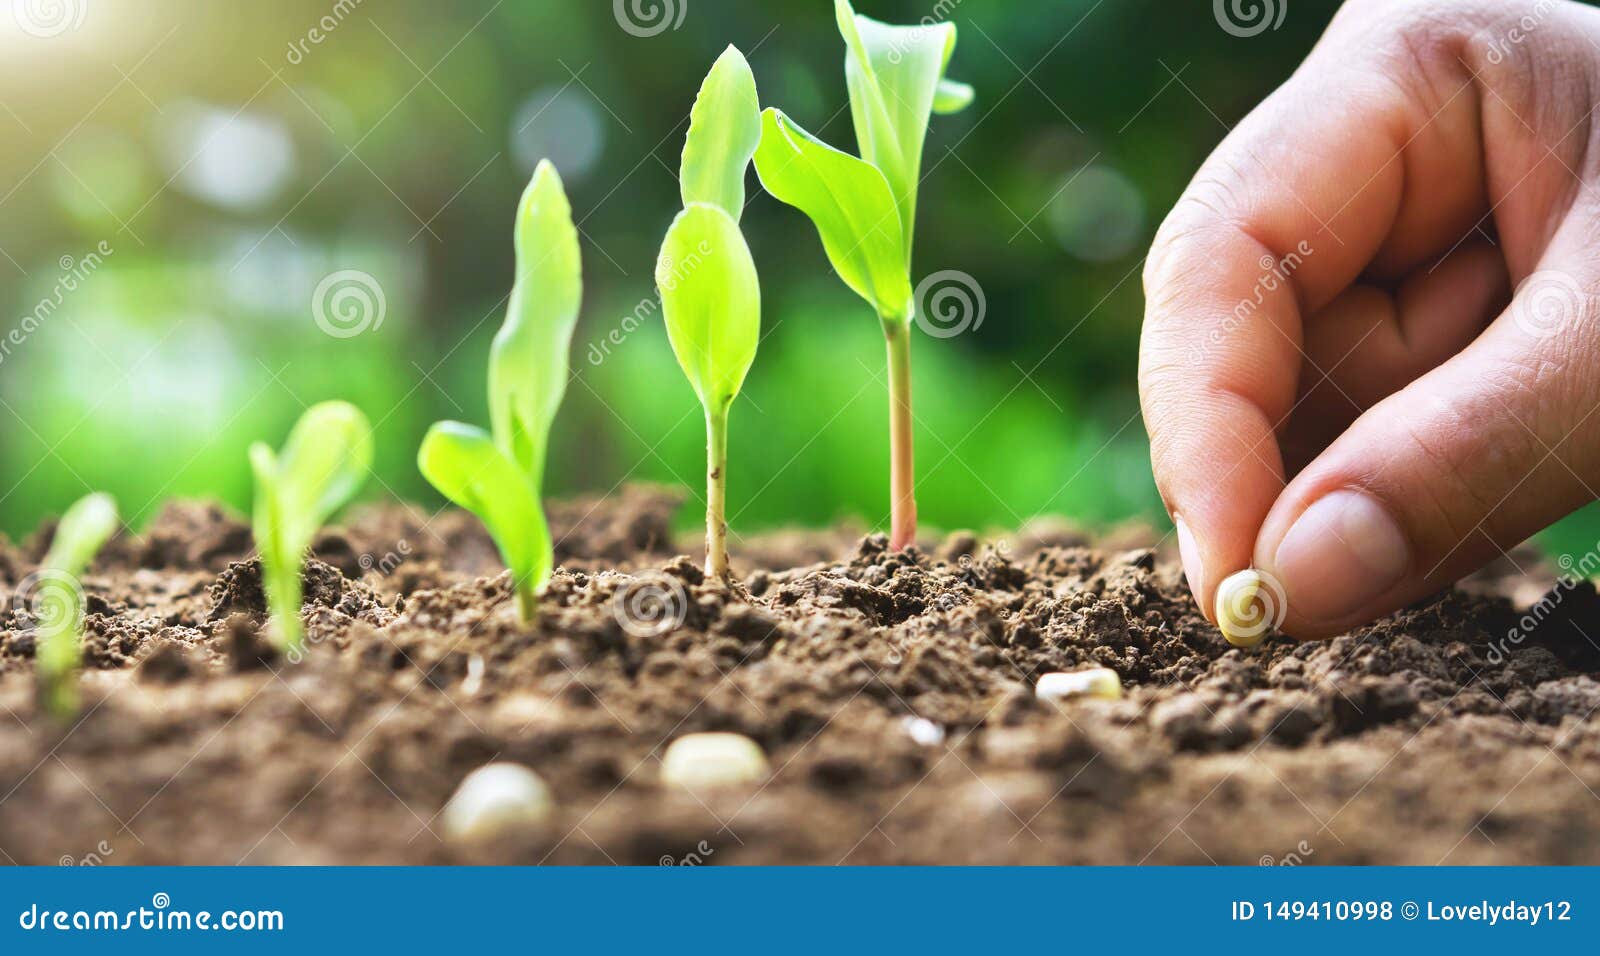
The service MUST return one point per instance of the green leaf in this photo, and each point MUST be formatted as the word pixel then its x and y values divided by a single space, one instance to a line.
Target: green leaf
pixel 81 532
pixel 528 362
pixel 724 128
pixel 468 467
pixel 848 201
pixel 324 462
pixel 953 97
pixel 893 74
pixel 711 299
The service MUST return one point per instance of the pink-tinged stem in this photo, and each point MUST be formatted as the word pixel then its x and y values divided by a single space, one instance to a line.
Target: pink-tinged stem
pixel 902 475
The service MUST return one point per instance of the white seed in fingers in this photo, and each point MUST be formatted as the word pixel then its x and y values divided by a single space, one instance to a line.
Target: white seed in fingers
pixel 1245 608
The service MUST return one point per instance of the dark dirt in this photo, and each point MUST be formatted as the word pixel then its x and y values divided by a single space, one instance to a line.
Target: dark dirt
pixel 1448 733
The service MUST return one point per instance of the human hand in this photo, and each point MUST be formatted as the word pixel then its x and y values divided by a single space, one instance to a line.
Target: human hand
pixel 1340 387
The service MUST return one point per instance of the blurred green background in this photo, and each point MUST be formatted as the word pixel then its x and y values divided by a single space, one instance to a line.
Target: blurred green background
pixel 233 157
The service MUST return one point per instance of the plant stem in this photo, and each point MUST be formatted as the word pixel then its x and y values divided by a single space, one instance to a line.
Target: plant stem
pixel 284 597
pixel 902 494
pixel 527 604
pixel 717 493
pixel 57 654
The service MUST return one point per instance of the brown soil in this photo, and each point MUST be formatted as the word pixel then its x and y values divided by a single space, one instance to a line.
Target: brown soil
pixel 1426 738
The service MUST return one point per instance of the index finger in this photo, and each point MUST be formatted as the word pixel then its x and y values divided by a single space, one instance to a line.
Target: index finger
pixel 1347 163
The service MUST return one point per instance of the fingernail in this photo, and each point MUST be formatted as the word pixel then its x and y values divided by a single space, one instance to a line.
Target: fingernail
pixel 1340 554
pixel 1189 552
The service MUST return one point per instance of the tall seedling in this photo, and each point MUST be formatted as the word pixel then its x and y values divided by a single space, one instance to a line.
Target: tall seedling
pixel 710 294
pixel 865 208
pixel 499 475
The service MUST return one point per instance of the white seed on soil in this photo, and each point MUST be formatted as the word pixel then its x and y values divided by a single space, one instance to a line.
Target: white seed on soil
pixel 474 679
pixel 700 761
pixel 923 731
pixel 495 799
pixel 1101 682
pixel 1241 617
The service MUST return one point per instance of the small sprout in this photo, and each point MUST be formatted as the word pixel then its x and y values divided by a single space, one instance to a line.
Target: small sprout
pixel 865 209
pixel 703 761
pixel 1243 614
pixel 499 476
pixel 323 464
pixel 494 800
pixel 1101 682
pixel 710 293
pixel 56 600
pixel 466 466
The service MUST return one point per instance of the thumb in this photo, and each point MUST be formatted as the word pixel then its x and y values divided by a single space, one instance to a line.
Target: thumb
pixel 1448 473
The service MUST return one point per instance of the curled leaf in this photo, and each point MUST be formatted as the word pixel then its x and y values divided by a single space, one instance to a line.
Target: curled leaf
pixel 849 202
pixel 952 97
pixel 468 467
pixel 528 361
pixel 724 128
pixel 895 75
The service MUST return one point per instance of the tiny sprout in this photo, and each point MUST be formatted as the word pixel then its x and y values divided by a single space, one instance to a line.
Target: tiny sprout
pixel 323 464
pixel 1101 682
pixel 865 209
pixel 704 761
pixel 710 293
pixel 1242 615
pixel 499 475
pixel 56 598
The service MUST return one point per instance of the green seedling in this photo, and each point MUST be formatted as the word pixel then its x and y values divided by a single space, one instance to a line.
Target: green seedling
pixel 499 475
pixel 865 208
pixel 710 294
pixel 323 464
pixel 56 598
